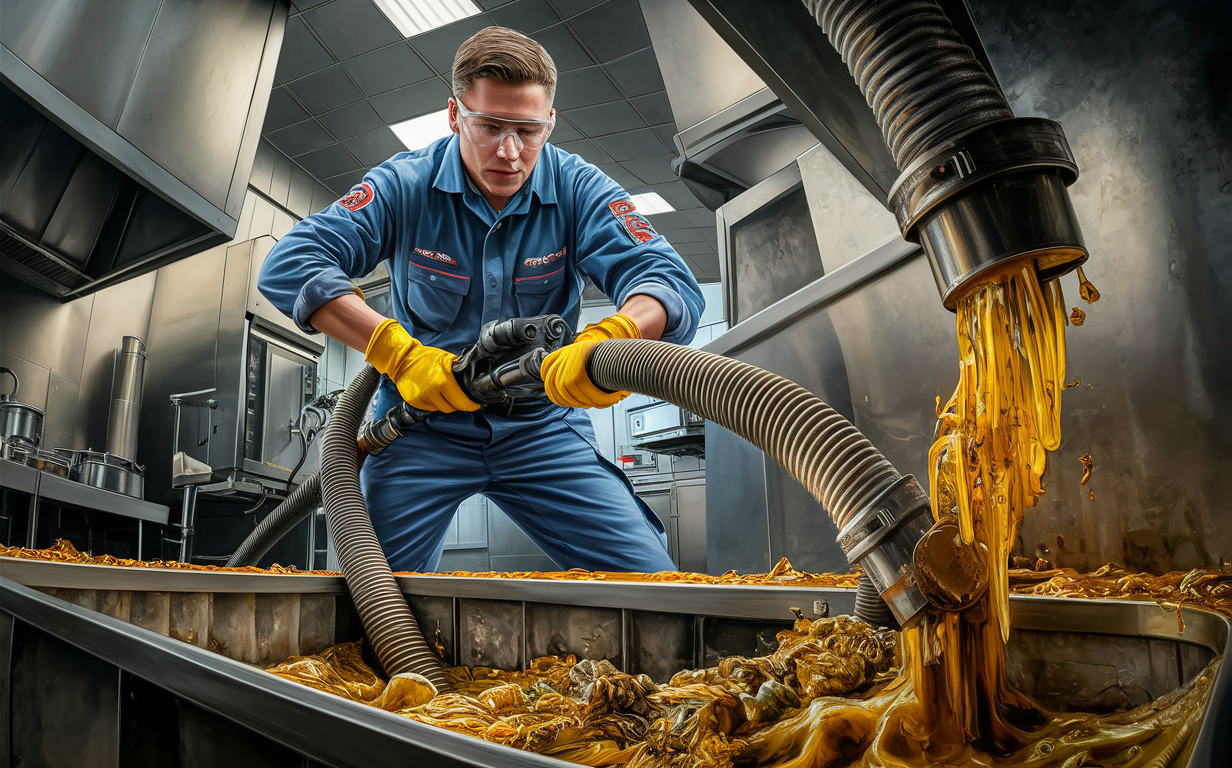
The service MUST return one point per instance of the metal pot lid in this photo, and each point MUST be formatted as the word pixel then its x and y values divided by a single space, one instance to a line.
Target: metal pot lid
pixel 90 456
pixel 13 405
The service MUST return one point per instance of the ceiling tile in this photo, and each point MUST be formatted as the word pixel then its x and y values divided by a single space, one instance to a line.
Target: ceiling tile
pixel 300 138
pixel 388 68
pixel 690 235
pixel 564 131
pixel 654 108
pixel 583 87
pixel 637 74
pixel 301 53
pixel 670 220
pixel 411 101
pixel 563 47
pixel 701 217
pixel 677 194
pixel 587 151
pixel 328 161
pixel 325 90
pixel 352 120
pixel 612 30
pixel 351 27
pixel 376 147
pixel 667 134
pixel 691 249
pixel 652 170
pixel 282 111
pixel 525 16
pixel 488 5
pixel 618 174
pixel 440 45
pixel 605 118
pixel 569 8
pixel 627 146
pixel 342 184
pixel 304 5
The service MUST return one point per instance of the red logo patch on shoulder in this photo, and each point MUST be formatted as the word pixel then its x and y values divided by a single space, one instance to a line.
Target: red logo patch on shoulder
pixel 635 224
pixel 360 195
pixel 436 256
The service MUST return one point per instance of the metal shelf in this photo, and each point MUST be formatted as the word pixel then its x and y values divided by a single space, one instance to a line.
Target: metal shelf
pixel 53 488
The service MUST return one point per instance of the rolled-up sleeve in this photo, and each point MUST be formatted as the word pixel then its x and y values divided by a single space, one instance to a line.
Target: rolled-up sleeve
pixel 625 257
pixel 319 258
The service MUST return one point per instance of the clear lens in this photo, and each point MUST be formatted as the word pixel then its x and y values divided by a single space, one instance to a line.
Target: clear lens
pixel 487 131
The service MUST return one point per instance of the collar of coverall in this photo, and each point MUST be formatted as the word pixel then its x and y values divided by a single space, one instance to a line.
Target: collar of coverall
pixel 452 176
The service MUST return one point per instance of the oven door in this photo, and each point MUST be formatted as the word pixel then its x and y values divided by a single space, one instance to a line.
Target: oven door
pixel 279 380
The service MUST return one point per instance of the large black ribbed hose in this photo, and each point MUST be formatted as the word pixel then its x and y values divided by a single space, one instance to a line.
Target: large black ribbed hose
pixel 276 524
pixel 391 628
pixel 811 440
pixel 924 84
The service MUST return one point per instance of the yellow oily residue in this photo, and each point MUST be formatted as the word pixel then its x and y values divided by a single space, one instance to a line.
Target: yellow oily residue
pixel 1077 316
pixel 830 695
pixel 743 710
pixel 1087 465
pixel 1086 290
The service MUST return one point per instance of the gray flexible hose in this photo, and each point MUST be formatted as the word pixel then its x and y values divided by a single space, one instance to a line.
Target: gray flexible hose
pixel 924 84
pixel 870 608
pixel 391 628
pixel 276 524
pixel 811 440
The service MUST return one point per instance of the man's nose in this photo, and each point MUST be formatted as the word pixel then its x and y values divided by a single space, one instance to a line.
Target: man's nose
pixel 508 149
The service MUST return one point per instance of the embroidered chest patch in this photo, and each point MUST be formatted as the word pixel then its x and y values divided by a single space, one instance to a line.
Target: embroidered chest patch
pixel 360 195
pixel 634 224
pixel 436 256
pixel 543 261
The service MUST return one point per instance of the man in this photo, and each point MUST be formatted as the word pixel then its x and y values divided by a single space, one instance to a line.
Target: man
pixel 488 224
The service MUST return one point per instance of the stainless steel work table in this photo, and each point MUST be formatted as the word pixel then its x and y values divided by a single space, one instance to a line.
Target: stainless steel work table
pixel 47 486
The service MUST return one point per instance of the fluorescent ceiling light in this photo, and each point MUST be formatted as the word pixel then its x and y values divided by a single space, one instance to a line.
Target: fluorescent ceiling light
pixel 650 203
pixel 414 17
pixel 419 132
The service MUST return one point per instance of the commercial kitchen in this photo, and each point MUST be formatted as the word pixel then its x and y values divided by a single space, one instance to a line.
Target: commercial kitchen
pixel 871 196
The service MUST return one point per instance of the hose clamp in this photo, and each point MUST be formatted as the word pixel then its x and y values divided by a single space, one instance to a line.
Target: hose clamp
pixel 881 539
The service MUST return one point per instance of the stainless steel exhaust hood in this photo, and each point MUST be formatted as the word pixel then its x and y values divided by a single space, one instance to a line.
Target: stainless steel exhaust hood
pixel 129 130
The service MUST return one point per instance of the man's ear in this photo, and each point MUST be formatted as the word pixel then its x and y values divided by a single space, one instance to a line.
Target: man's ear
pixel 453 116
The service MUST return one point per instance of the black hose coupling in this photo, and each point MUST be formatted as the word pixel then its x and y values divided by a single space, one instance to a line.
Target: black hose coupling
pixel 991 195
pixel 882 538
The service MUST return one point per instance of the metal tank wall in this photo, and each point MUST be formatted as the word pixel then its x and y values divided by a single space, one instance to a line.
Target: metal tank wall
pixel 1142 90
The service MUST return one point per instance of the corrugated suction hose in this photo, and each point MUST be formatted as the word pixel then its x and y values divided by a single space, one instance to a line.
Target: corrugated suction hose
pixel 391 628
pixel 924 84
pixel 811 440
pixel 276 524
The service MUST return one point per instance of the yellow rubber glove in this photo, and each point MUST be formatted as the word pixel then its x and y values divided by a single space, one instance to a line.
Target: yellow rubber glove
pixel 564 371
pixel 423 375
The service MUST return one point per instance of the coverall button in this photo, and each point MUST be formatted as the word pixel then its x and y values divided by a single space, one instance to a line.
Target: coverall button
pixel 432 277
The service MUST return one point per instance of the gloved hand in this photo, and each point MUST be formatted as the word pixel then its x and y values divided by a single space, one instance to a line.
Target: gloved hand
pixel 564 371
pixel 423 375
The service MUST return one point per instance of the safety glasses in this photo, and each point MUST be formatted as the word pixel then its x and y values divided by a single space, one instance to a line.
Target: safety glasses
pixel 489 131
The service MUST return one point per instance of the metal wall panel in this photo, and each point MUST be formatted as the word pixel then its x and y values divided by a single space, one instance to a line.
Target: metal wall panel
pixel 1141 90
pixel 72 724
pixel 184 95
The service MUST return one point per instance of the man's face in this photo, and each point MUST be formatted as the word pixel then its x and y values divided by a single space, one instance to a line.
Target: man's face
pixel 501 170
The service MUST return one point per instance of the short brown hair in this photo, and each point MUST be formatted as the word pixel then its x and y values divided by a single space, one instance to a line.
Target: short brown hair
pixel 505 56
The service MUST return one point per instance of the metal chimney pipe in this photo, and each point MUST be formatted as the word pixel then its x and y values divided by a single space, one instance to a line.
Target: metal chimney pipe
pixel 126 390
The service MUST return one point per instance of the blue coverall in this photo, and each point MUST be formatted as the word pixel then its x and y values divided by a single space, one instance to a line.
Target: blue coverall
pixel 455 264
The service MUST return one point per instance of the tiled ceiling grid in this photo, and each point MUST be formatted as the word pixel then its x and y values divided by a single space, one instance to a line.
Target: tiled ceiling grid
pixel 345 73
